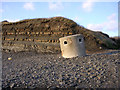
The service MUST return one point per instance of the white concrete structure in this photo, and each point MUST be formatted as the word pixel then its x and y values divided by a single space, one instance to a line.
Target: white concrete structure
pixel 72 46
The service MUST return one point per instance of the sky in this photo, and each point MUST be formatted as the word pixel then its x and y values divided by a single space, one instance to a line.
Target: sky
pixel 96 16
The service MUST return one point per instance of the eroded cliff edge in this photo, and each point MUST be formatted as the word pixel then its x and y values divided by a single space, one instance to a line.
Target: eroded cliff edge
pixel 42 35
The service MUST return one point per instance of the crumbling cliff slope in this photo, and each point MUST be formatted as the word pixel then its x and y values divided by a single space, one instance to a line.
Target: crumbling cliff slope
pixel 42 35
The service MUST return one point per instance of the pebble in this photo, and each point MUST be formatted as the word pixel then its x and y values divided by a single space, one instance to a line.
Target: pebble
pixel 36 70
pixel 12 85
pixel 9 58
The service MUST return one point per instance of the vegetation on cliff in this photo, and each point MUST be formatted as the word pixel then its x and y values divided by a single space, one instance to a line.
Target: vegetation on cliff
pixel 60 27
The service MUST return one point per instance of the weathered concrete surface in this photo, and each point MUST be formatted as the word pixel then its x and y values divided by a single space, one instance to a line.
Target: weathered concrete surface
pixel 72 46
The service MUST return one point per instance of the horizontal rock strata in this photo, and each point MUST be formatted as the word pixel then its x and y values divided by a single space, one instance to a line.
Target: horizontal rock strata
pixel 43 34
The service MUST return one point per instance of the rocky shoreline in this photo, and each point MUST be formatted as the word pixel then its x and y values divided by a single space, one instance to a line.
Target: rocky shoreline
pixel 38 70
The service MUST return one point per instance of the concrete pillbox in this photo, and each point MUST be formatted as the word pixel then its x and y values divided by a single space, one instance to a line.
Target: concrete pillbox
pixel 72 46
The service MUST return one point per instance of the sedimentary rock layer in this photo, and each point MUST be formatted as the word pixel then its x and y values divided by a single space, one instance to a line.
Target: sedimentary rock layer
pixel 43 34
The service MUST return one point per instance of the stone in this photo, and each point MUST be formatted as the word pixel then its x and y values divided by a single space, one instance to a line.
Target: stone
pixel 12 85
pixel 9 58
pixel 98 77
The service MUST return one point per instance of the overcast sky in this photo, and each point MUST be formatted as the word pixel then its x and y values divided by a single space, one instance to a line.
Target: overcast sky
pixel 97 16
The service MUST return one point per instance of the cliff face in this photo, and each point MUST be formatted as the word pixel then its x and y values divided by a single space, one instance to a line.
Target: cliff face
pixel 42 35
pixel 117 40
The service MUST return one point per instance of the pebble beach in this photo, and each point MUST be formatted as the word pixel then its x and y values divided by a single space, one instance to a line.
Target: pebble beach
pixel 45 70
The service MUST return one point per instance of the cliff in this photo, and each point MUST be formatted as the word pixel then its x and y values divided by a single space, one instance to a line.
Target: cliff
pixel 42 35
